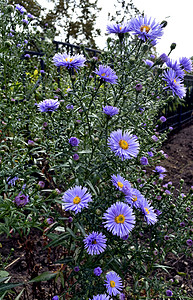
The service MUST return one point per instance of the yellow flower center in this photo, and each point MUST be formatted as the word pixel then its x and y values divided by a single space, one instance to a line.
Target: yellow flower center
pixel 123 144
pixel 120 219
pixel 103 74
pixel 174 80
pixel 94 242
pixel 112 283
pixel 69 59
pixel 120 28
pixel 134 198
pixel 120 184
pixel 147 210
pixel 146 27
pixel 76 200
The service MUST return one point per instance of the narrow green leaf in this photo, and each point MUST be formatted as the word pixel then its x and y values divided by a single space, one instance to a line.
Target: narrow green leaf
pixel 44 277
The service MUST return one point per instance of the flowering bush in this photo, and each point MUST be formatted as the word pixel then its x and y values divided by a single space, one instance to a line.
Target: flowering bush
pixel 97 119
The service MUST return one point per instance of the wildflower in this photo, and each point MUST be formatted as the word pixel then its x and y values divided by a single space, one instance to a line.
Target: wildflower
pixel 149 62
pixel 135 198
pixel 67 61
pixel 113 283
pixel 69 106
pixel 75 156
pixel 124 144
pixel 159 169
pixel 174 65
pixel 166 237
pixel 30 16
pixel 152 56
pixel 182 224
pixel 55 298
pixel 174 83
pixel 76 269
pixel 118 28
pixel 25 21
pixel 150 153
pixel 98 271
pixel 120 183
pixel 144 161
pixel 48 105
pixel 119 219
pixel 20 8
pixel 12 181
pixel 70 219
pixel 157 212
pixel 106 74
pixel 138 87
pixel 27 56
pixel 101 297
pixel 148 211
pixel 49 221
pixel 42 71
pixel 167 192
pixel 146 29
pixel 21 200
pixel 154 138
pixel 75 199
pixel 110 110
pixel 122 297
pixel 188 209
pixel 95 243
pixel 169 293
pixel 31 143
pixel 186 64
pixel 163 119
pixel 41 184
pixel 189 242
pixel 164 58
pixel 73 141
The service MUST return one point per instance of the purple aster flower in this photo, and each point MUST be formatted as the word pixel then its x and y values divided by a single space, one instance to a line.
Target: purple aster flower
pixel 74 141
pixel 76 269
pixel 106 74
pixel 169 293
pixel 148 211
pixel 31 143
pixel 98 271
pixel 154 138
pixel 188 209
pixel 120 183
pixel 174 83
pixel 95 243
pixel 119 219
pixel 174 65
pixel 65 60
pixel 164 58
pixel 146 29
pixel 30 16
pixel 69 106
pixel 163 119
pixel 20 8
pixel 49 221
pixel 25 21
pixel 186 64
pixel 12 181
pixel 21 200
pixel 75 199
pixel 150 153
pixel 124 144
pixel 122 297
pixel 75 156
pixel 101 297
pixel 159 169
pixel 182 224
pixel 42 71
pixel 55 298
pixel 113 283
pixel 27 56
pixel 167 192
pixel 135 198
pixel 70 219
pixel 48 105
pixel 138 88
pixel 157 212
pixel 149 62
pixel 41 184
pixel 189 242
pixel 144 161
pixel 118 28
pixel 152 56
pixel 110 110
pixel 166 237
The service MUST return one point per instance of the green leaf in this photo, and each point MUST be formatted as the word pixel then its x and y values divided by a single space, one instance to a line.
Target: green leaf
pixel 18 296
pixel 80 226
pixel 8 286
pixel 4 274
pixel 44 277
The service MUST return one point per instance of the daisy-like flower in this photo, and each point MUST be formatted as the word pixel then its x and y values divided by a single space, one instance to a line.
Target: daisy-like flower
pixel 20 8
pixel 124 144
pixel 106 74
pixel 135 198
pixel 148 211
pixel 113 283
pixel 119 218
pixel 149 62
pixel 21 200
pixel 95 243
pixel 12 181
pixel 146 29
pixel 65 60
pixel 118 28
pixel 186 64
pixel 101 297
pixel 159 169
pixel 110 110
pixel 121 183
pixel 174 83
pixel 174 65
pixel 48 105
pixel 75 199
